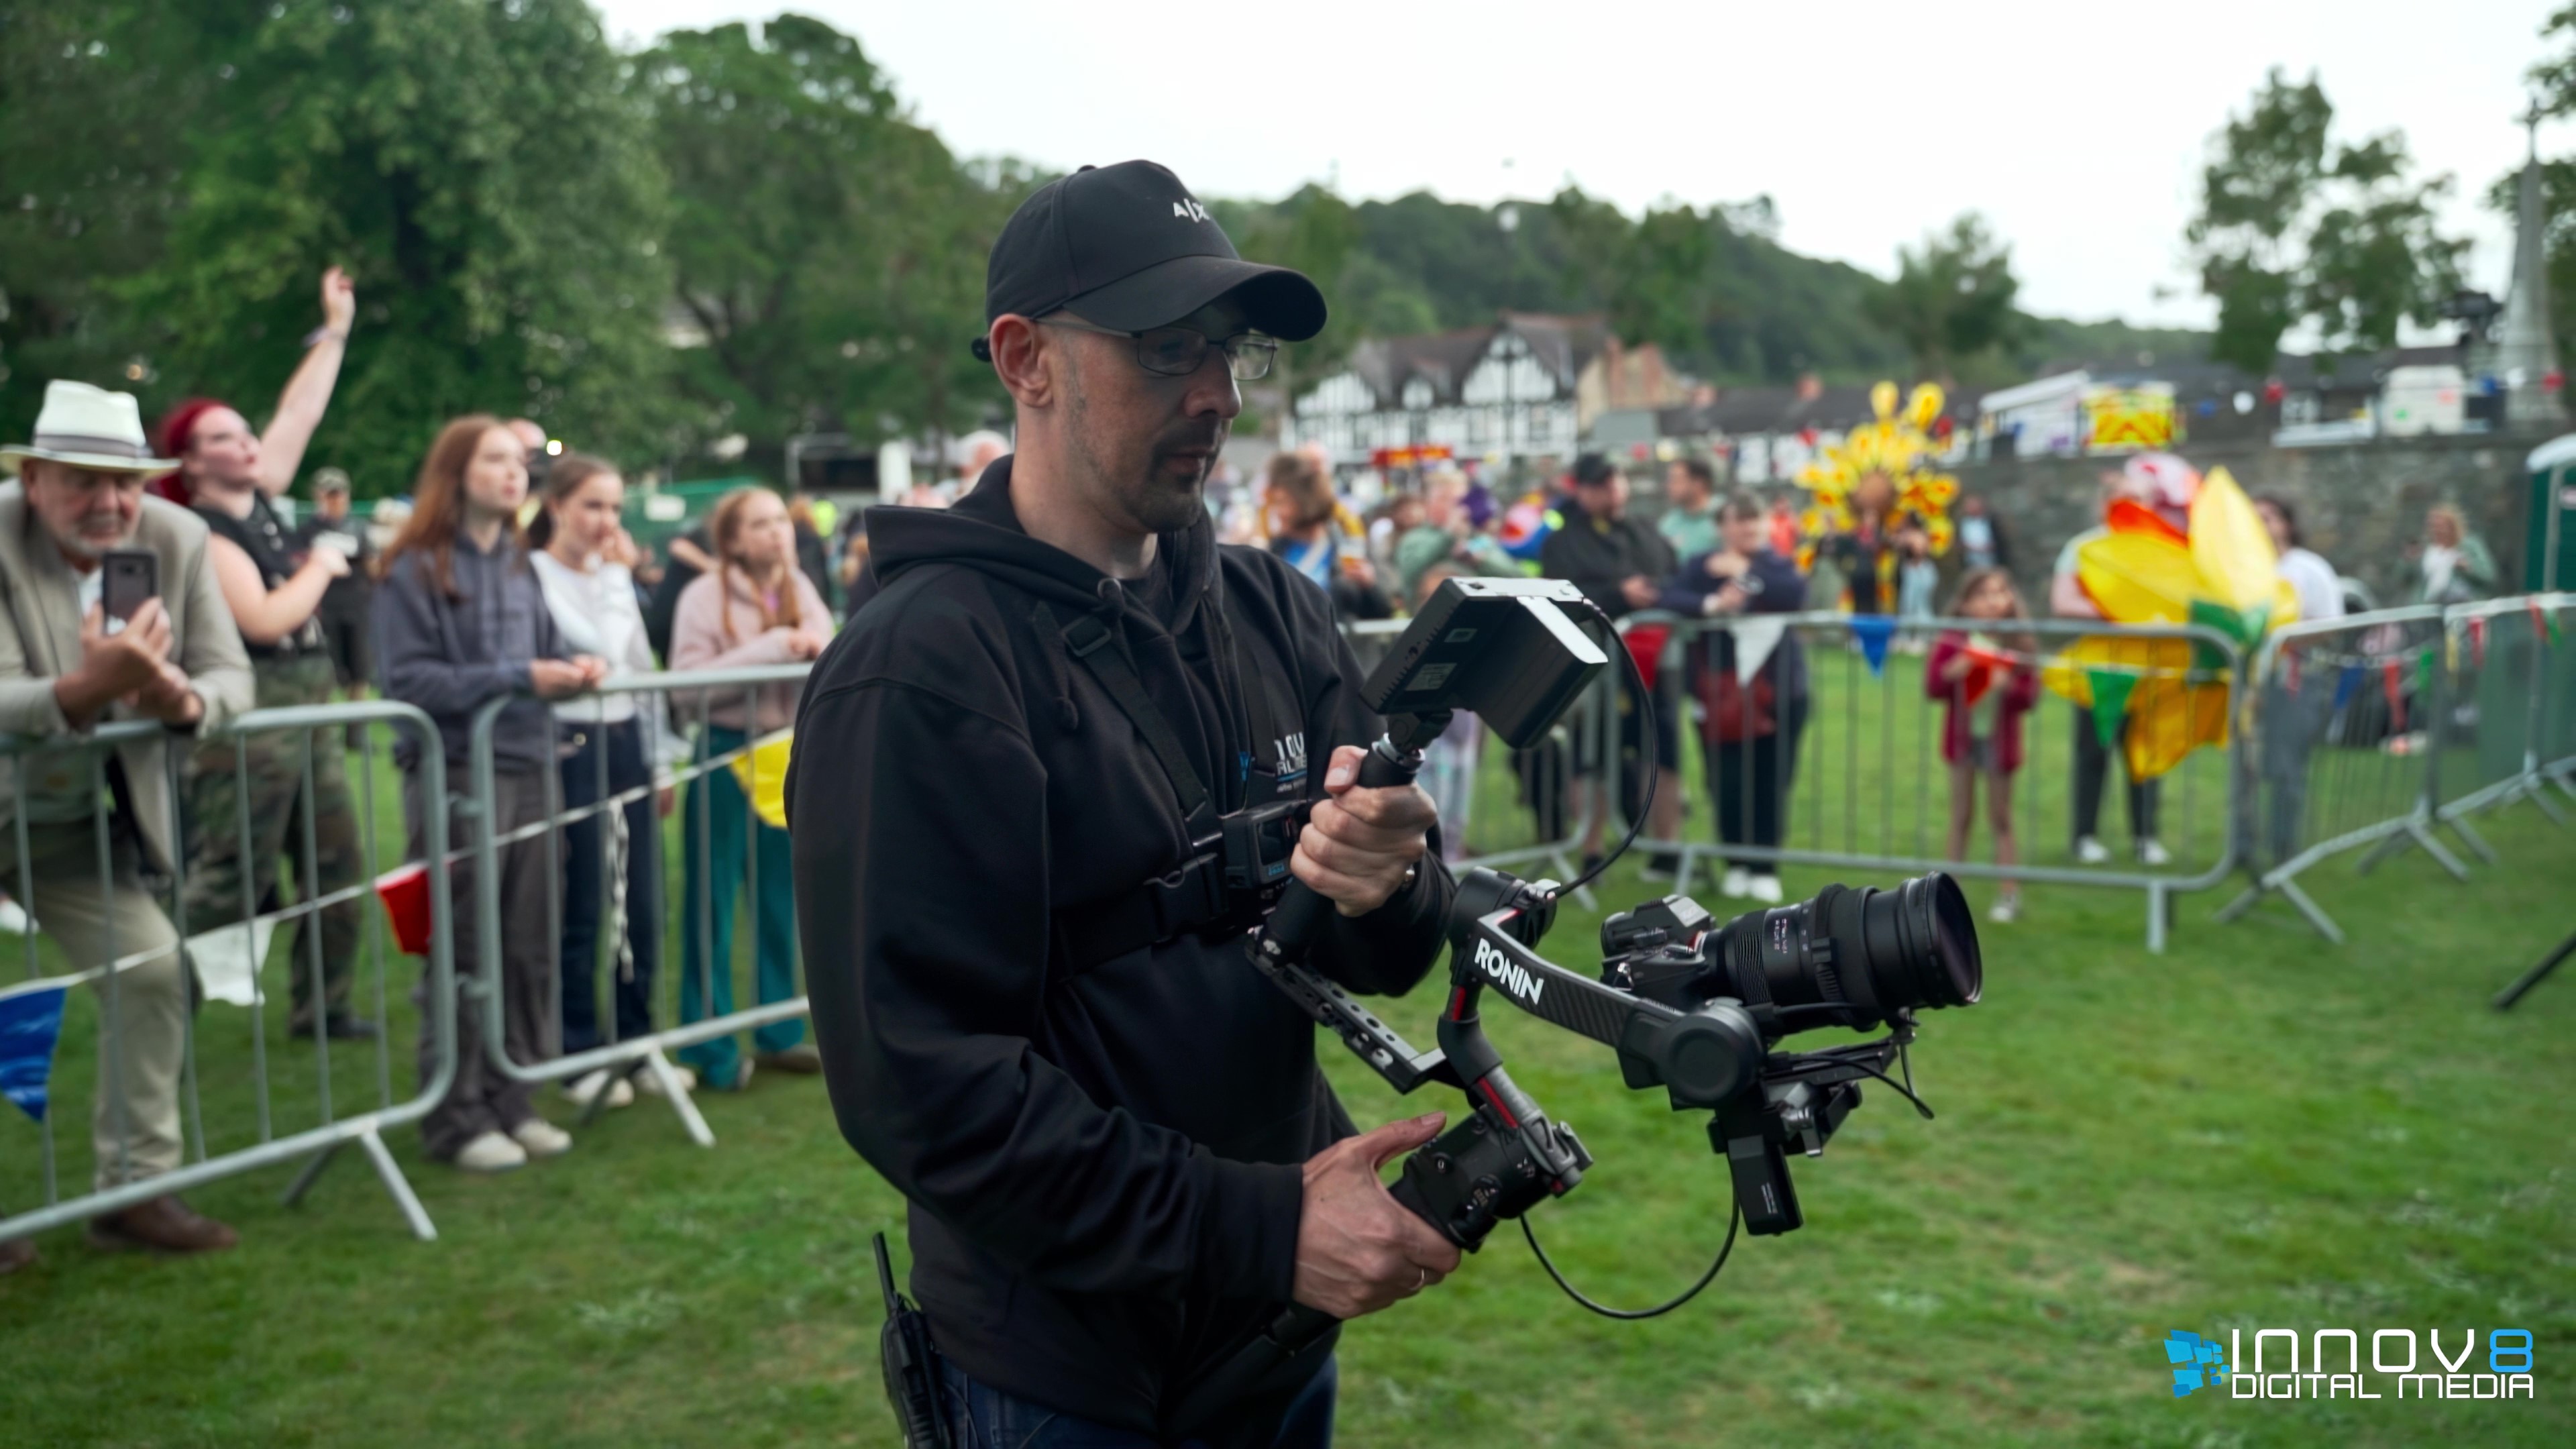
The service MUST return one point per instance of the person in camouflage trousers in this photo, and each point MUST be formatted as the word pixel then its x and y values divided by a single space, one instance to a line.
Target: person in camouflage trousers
pixel 272 763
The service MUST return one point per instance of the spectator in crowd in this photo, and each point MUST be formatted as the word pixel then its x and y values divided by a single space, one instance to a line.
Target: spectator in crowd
pixel 813 556
pixel 65 668
pixel 246 798
pixel 461 621
pixel 343 615
pixel 621 743
pixel 1447 537
pixel 1305 530
pixel 2287 723
pixel 1856 552
pixel 1918 575
pixel 754 608
pixel 1618 563
pixel 687 560
pixel 2067 600
pixel 979 450
pixel 2452 565
pixel 540 449
pixel 1784 534
pixel 1986 679
pixel 1749 728
pixel 1982 544
pixel 1397 517
pixel 202 432
pixel 1449 763
pixel 1689 524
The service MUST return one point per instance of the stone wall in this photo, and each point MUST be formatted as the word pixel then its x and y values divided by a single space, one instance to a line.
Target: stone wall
pixel 2359 506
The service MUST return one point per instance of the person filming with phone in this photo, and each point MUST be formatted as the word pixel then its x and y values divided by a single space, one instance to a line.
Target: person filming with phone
pixel 109 611
pixel 1025 959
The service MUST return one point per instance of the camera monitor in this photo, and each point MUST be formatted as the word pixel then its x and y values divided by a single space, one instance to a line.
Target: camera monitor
pixel 1509 650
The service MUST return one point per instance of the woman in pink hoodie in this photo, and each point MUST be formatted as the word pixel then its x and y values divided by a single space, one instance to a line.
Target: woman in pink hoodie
pixel 754 608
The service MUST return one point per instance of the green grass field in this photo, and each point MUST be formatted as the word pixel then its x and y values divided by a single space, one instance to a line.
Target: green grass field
pixel 2253 1130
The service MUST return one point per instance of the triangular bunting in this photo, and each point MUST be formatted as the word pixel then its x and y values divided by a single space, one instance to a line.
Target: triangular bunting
pixel 2390 690
pixel 1755 638
pixel 228 960
pixel 2478 642
pixel 2110 700
pixel 1873 631
pixel 30 1021
pixel 2347 684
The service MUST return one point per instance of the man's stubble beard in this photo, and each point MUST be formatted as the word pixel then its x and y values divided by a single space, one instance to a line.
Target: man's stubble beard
pixel 1136 488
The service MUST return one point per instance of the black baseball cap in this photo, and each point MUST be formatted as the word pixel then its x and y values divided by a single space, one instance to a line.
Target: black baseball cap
pixel 1128 247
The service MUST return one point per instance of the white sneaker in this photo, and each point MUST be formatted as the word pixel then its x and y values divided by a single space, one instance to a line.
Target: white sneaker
pixel 2091 851
pixel 1737 883
pixel 2153 852
pixel 542 1138
pixel 1765 888
pixel 2005 911
pixel 14 919
pixel 650 1083
pixel 491 1152
pixel 582 1089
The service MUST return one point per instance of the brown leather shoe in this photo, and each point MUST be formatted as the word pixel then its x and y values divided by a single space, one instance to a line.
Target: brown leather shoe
pixel 15 1254
pixel 799 1060
pixel 163 1225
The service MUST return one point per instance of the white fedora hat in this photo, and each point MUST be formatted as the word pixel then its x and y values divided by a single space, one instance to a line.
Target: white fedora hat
pixel 89 427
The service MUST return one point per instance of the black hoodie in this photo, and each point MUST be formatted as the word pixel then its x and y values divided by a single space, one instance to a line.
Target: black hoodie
pixel 1103 1164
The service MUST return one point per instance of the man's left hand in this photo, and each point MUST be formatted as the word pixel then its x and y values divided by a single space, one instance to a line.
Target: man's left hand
pixel 1358 843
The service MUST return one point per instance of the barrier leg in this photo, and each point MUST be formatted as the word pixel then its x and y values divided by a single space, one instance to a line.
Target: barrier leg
pixel 2476 843
pixel 2158 906
pixel 2416 831
pixel 678 1096
pixel 2316 914
pixel 311 1174
pixel 2522 985
pixel 398 1185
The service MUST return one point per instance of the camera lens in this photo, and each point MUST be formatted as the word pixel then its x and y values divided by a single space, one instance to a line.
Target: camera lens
pixel 1850 957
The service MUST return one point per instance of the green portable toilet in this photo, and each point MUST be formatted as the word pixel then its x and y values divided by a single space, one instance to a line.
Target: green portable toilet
pixel 2552 467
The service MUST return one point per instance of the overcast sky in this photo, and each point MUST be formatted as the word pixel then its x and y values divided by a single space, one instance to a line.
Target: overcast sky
pixel 2079 129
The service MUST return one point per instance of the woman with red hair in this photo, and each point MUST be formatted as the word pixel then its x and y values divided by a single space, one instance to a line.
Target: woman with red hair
pixel 209 438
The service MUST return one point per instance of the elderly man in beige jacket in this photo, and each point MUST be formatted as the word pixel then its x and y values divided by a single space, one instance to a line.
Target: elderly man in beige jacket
pixel 65 669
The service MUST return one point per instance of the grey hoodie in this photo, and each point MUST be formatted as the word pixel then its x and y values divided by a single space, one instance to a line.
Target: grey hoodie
pixel 450 653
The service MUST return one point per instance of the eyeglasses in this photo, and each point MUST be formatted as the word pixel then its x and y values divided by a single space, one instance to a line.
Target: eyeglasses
pixel 1178 351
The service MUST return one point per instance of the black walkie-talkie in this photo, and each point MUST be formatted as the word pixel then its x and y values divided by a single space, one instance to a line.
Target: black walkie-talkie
pixel 911 1366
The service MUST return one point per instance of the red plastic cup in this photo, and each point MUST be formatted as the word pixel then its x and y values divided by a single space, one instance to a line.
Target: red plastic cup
pixel 405 892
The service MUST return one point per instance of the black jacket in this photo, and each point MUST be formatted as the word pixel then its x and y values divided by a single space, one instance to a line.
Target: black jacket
pixel 1103 1165
pixel 1772 585
pixel 1597 554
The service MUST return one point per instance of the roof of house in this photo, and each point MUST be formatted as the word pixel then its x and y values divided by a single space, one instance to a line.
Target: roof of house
pixel 1442 359
pixel 1559 342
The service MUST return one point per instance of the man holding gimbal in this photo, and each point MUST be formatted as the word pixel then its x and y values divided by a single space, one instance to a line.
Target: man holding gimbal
pixel 1044 784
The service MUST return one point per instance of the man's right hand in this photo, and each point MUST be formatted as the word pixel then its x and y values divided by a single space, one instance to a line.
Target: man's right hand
pixel 333 563
pixel 113 666
pixel 1358 1249
pixel 558 678
pixel 1639 591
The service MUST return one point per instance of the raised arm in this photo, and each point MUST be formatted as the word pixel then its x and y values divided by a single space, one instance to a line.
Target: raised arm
pixel 308 392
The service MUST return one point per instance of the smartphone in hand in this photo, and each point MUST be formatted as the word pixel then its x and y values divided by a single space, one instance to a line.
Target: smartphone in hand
pixel 133 577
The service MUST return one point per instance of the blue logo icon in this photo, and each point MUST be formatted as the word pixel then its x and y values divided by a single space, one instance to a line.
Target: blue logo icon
pixel 2199 1363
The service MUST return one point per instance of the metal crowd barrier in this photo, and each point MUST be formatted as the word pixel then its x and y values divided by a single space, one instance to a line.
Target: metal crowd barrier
pixel 651 1052
pixel 2386 729
pixel 218 1055
pixel 1868 788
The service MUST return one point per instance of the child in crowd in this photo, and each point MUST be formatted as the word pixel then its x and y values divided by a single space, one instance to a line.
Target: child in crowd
pixel 614 745
pixel 1918 578
pixel 755 607
pixel 460 621
pixel 1986 680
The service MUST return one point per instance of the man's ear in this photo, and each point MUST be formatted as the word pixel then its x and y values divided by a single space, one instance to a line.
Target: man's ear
pixel 1024 359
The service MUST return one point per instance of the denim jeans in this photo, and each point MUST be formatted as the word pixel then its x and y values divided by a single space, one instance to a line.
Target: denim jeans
pixel 987 1418
pixel 586 862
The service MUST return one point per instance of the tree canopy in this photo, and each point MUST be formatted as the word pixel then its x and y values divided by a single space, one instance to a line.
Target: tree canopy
pixel 2295 230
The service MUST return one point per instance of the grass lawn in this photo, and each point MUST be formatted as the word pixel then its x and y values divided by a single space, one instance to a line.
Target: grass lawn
pixel 2253 1130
